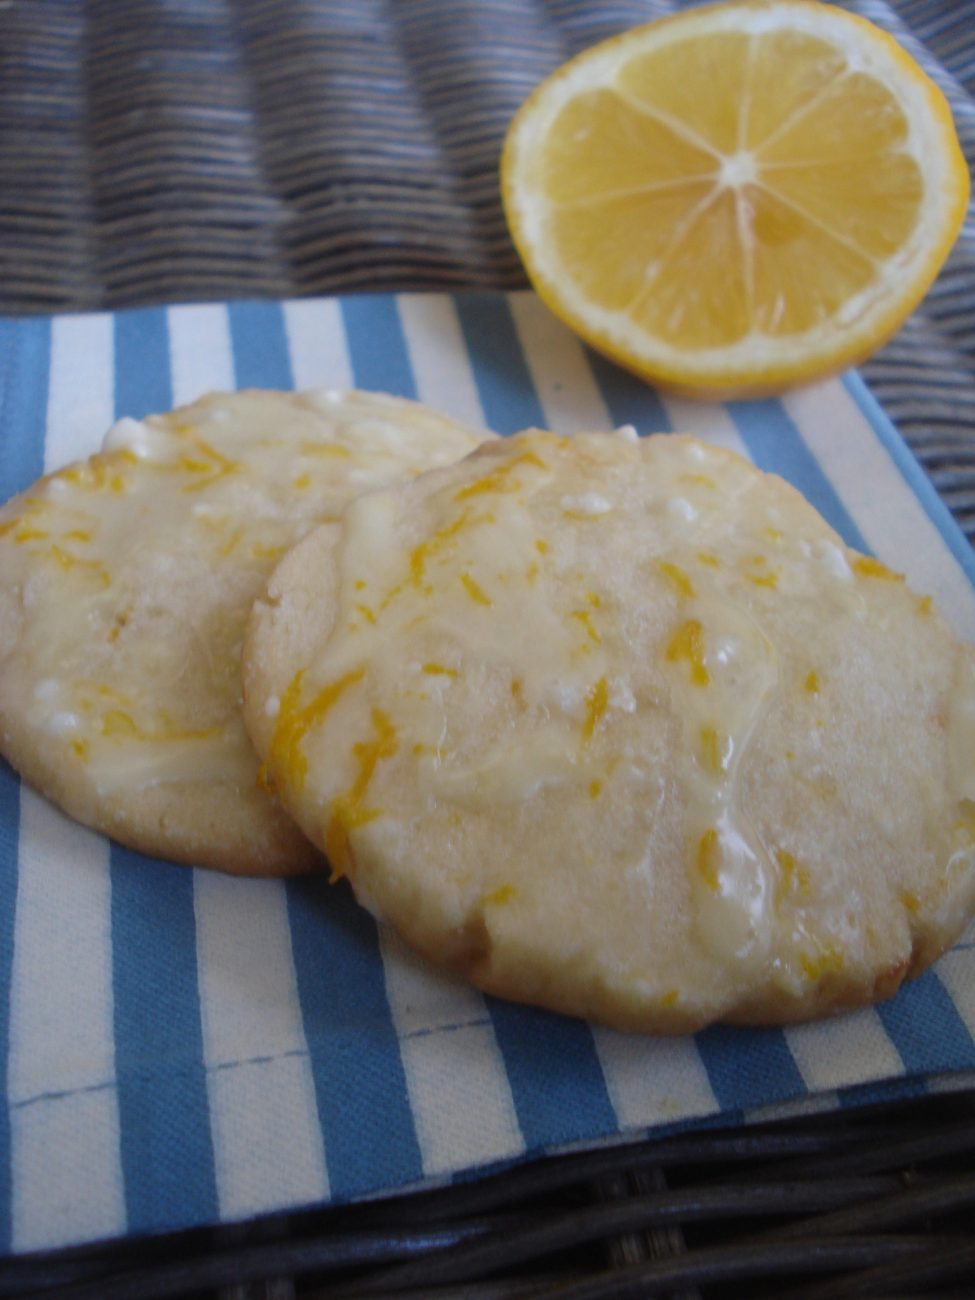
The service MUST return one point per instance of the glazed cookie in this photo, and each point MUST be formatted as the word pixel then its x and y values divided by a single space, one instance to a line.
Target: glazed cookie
pixel 623 729
pixel 126 584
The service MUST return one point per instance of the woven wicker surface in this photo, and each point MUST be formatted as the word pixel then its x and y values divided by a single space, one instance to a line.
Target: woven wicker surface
pixel 182 150
pixel 186 150
pixel 877 1203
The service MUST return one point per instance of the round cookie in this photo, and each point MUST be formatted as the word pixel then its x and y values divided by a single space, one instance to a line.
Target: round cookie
pixel 623 729
pixel 126 584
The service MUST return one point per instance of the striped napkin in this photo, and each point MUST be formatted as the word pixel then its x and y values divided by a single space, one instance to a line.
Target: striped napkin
pixel 179 1048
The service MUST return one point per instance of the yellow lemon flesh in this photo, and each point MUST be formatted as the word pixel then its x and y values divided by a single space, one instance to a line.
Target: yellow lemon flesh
pixel 738 197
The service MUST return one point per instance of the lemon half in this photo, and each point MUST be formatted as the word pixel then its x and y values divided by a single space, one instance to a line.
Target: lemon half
pixel 738 197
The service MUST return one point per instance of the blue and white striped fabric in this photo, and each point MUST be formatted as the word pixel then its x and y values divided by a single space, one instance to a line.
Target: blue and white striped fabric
pixel 180 1048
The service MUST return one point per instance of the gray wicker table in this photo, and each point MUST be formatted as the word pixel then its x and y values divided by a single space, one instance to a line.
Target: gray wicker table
pixel 185 150
pixel 156 151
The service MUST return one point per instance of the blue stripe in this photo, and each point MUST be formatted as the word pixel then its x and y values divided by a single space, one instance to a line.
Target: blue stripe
pixel 260 345
pixel 167 1151
pixel 869 1094
pixel 25 371
pixel 923 1023
pixel 557 1083
pixel 9 840
pixel 913 475
pixel 377 345
pixel 556 1080
pixel 749 1067
pixel 775 444
pixel 504 385
pixel 628 399
pixel 360 1086
pixel 142 378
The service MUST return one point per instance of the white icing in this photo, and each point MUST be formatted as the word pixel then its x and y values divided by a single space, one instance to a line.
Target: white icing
pixel 120 765
pixel 621 697
pixel 510 774
pixel 682 508
pixel 732 895
pixel 129 435
pixel 835 561
pixel 63 721
pixel 587 503
pixel 567 698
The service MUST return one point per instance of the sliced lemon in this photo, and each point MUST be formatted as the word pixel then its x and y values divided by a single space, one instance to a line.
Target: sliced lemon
pixel 738 197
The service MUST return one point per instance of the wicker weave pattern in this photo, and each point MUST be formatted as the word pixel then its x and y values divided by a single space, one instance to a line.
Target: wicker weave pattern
pixel 161 150
pixel 806 1209
pixel 165 150
pixel 189 150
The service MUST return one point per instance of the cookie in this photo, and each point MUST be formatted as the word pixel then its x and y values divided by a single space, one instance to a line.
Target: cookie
pixel 623 729
pixel 126 584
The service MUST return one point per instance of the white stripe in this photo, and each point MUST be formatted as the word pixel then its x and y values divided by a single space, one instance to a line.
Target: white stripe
pixel 61 1034
pixel 250 1008
pixel 816 1104
pixel 562 376
pixel 81 400
pixel 200 352
pixel 653 1080
pixel 459 1091
pixel 317 344
pixel 957 1081
pixel 836 1053
pixel 66 1159
pixel 881 504
pixel 709 421
pixel 64 1190
pixel 264 1120
pixel 61 1006
pixel 956 970
pixel 438 358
